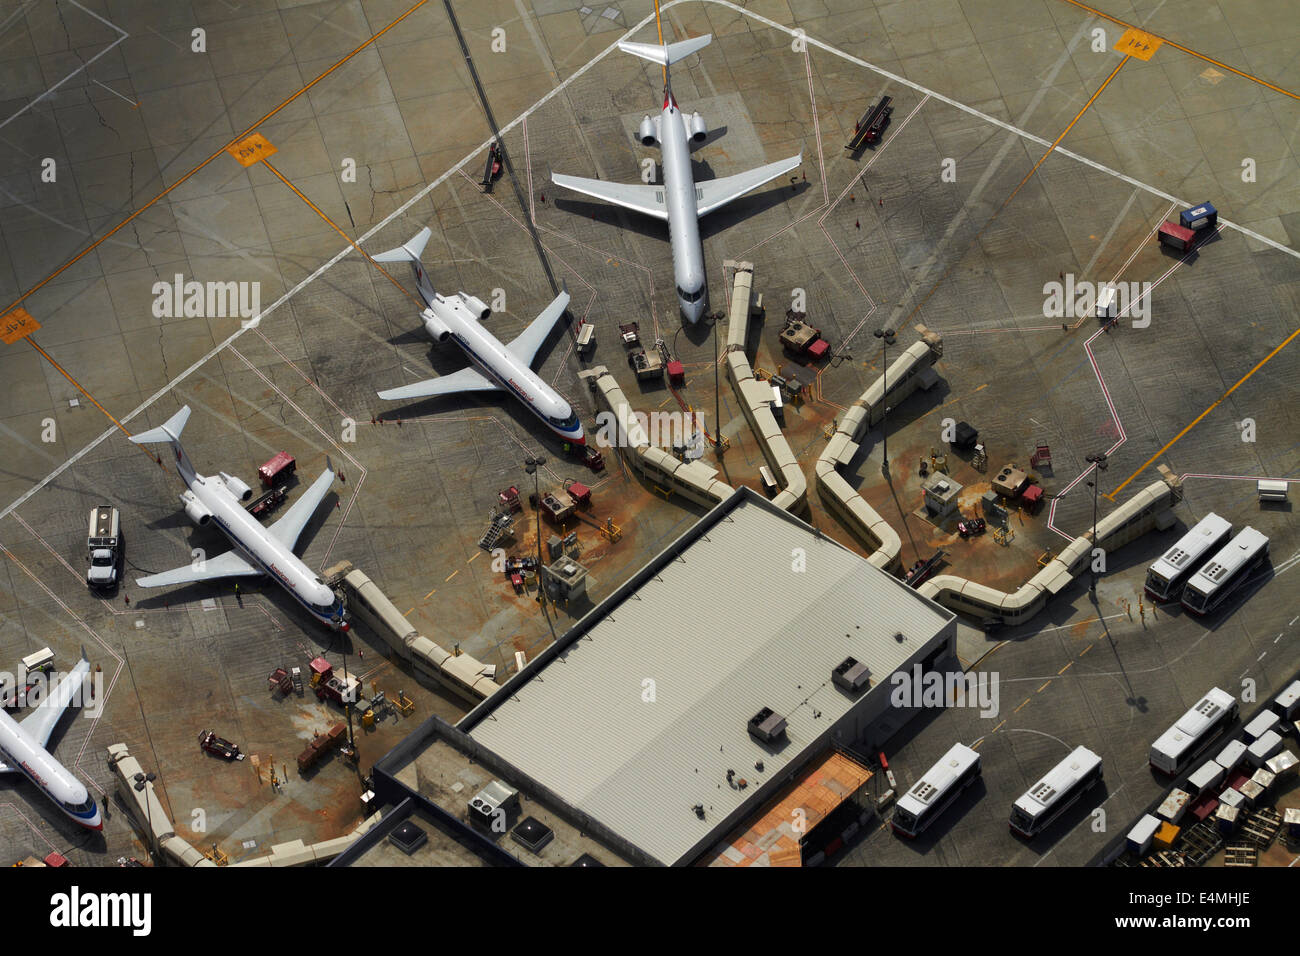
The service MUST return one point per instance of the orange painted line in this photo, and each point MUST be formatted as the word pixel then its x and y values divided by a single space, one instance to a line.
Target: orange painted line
pixel 1086 649
pixel 1017 710
pixel 219 152
pixel 1040 690
pixel 1040 162
pixel 1198 418
pixel 1065 668
pixel 1057 142
pixel 62 371
pixel 352 242
pixel 1179 46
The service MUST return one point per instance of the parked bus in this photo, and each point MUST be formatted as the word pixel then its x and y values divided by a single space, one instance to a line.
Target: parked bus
pixel 936 790
pixel 1210 586
pixel 1194 731
pixel 1060 787
pixel 1165 578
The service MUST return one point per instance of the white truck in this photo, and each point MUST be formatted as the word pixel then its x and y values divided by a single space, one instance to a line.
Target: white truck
pixel 103 547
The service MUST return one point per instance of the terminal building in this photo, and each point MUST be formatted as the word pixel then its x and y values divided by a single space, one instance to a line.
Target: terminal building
pixel 715 709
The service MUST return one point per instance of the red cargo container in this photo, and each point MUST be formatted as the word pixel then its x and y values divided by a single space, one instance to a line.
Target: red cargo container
pixel 580 494
pixel 1176 237
pixel 818 349
pixel 279 468
pixel 676 372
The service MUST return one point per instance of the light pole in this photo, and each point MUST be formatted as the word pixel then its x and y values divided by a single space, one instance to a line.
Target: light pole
pixel 141 780
pixel 886 337
pixel 531 466
pixel 1100 462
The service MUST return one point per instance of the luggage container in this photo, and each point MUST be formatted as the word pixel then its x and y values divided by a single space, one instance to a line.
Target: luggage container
pixel 1199 217
pixel 1176 237
pixel 1265 747
pixel 1269 490
pixel 1141 836
pixel 1287 703
pixel 1259 725
pixel 1232 754
pixel 1205 777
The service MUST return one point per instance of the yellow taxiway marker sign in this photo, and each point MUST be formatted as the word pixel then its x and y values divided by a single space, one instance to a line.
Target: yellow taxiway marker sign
pixel 16 325
pixel 1139 44
pixel 251 149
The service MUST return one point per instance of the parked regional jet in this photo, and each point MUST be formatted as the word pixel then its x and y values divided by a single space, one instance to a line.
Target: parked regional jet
pixel 504 367
pixel 680 200
pixel 258 550
pixel 23 743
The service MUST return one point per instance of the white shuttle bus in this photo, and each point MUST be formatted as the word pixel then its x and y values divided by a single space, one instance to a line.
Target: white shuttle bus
pixel 936 790
pixel 1209 587
pixel 1060 787
pixel 1193 732
pixel 1166 578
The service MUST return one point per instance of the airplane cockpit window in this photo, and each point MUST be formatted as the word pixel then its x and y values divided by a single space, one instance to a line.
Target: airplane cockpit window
pixel 691 296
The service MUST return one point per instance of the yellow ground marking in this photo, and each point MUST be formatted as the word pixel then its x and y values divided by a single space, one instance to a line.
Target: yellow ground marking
pixel 473 556
pixel 409 613
pixel 1065 668
pixel 1086 106
pixel 251 149
pixel 283 103
pixel 16 325
pixel 299 193
pixel 1040 690
pixel 1138 43
pixel 1086 649
pixel 997 728
pixel 429 595
pixel 1190 52
pixel 452 575
pixel 1219 401
pixel 1018 709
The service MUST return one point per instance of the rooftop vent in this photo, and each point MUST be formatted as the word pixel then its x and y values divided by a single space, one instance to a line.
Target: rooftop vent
pixel 533 834
pixel 407 837
pixel 767 725
pixel 494 802
pixel 851 675
pixel 586 860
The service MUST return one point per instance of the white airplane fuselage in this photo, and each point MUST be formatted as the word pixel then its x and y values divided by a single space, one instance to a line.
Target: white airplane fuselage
pixel 22 753
pixel 683 212
pixel 450 317
pixel 261 549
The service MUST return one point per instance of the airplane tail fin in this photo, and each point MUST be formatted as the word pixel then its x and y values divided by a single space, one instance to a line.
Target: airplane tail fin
pixel 169 431
pixel 668 53
pixel 410 251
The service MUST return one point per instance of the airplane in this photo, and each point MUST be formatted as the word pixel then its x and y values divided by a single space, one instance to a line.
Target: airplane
pixel 22 750
pixel 503 367
pixel 258 550
pixel 680 201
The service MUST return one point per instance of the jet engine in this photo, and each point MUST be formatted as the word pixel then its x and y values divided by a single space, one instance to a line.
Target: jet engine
pixel 698 128
pixel 647 132
pixel 195 510
pixel 236 487
pixel 437 330
pixel 476 305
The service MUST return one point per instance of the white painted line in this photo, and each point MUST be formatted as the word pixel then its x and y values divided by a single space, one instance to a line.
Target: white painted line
pixel 1293 620
pixel 477 151
pixel 987 118
pixel 123 35
pixel 113 91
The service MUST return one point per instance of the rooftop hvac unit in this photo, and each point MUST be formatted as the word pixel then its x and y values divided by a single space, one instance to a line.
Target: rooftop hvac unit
pixel 767 725
pixel 851 675
pixel 493 802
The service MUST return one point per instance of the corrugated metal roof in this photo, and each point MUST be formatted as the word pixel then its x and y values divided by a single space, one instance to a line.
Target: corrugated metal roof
pixel 640 719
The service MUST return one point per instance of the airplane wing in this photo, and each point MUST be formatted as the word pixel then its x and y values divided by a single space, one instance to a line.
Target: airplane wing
pixel 526 344
pixel 644 199
pixel 40 723
pixel 228 565
pixel 466 380
pixel 289 527
pixel 716 193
